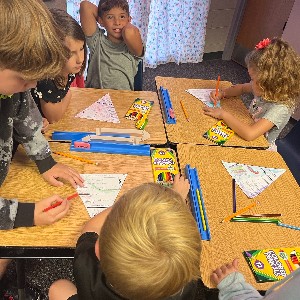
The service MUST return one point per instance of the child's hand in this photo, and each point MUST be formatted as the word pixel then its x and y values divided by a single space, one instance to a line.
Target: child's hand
pixel 45 125
pixel 52 215
pixel 181 186
pixel 213 112
pixel 215 98
pixel 64 172
pixel 220 273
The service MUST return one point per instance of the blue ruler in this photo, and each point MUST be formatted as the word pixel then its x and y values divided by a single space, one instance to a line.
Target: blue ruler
pixel 200 216
pixel 167 106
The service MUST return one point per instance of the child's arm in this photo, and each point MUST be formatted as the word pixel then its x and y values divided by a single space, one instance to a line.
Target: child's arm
pixel 181 186
pixel 54 111
pixel 132 39
pixel 245 131
pixel 232 284
pixel 232 91
pixel 88 17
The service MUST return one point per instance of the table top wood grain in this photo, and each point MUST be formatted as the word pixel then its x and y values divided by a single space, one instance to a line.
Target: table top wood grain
pixel 192 131
pixel 122 100
pixel 230 239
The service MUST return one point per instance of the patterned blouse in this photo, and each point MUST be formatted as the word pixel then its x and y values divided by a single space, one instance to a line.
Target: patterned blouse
pixel 49 92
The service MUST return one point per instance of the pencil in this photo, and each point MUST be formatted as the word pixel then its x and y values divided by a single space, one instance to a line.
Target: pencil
pixel 260 215
pixel 239 212
pixel 288 226
pixel 217 90
pixel 58 203
pixel 76 157
pixel 201 209
pixel 185 113
pixel 255 220
pixel 233 196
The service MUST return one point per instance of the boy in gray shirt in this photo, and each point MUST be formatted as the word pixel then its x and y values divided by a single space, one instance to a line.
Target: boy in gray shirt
pixel 114 57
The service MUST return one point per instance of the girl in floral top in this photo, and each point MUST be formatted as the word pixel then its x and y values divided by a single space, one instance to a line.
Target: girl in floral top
pixel 53 96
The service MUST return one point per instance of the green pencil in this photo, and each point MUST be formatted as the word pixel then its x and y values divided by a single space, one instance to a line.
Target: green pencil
pixel 255 220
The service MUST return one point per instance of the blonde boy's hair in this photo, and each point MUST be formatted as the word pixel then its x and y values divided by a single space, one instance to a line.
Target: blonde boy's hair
pixel 277 67
pixel 149 244
pixel 30 42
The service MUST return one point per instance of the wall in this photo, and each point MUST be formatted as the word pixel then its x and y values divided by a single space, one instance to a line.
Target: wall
pixel 218 24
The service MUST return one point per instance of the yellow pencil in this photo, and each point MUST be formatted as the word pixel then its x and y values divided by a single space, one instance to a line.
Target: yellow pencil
pixel 76 157
pixel 201 209
pixel 239 212
pixel 185 113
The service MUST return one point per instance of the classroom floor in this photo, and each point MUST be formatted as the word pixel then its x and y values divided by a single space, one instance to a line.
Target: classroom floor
pixel 40 273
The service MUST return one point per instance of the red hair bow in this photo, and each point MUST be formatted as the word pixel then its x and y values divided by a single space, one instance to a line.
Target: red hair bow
pixel 263 44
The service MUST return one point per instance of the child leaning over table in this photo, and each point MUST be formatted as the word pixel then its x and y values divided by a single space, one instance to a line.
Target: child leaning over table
pixel 30 50
pixel 53 96
pixel 232 285
pixel 274 68
pixel 148 245
pixel 114 57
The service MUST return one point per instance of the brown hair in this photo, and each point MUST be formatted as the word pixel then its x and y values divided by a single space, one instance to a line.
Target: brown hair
pixel 278 71
pixel 150 244
pixel 69 28
pixel 30 41
pixel 107 5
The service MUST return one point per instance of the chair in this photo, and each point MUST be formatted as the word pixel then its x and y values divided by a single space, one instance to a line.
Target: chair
pixel 289 148
pixel 138 78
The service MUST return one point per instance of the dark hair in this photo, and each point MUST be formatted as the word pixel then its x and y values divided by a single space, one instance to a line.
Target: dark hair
pixel 106 5
pixel 69 28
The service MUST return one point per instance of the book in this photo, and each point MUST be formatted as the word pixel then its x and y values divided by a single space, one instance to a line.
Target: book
pixel 272 264
pixel 164 165
pixel 219 133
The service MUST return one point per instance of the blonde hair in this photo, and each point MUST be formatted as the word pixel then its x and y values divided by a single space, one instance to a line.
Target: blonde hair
pixel 277 67
pixel 30 42
pixel 150 244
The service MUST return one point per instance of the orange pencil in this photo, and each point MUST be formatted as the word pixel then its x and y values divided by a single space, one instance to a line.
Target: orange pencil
pixel 239 212
pixel 185 113
pixel 76 157
pixel 217 89
pixel 58 203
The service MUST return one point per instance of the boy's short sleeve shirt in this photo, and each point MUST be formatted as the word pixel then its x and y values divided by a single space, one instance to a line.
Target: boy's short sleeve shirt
pixel 278 114
pixel 111 65
pixel 90 280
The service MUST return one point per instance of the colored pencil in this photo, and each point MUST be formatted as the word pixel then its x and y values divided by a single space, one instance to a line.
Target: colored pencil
pixel 233 196
pixel 260 215
pixel 76 157
pixel 185 113
pixel 58 203
pixel 201 209
pixel 254 220
pixel 244 209
pixel 288 226
pixel 217 90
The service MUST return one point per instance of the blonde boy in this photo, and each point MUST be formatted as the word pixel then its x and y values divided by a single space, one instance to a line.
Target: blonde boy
pixel 30 49
pixel 149 246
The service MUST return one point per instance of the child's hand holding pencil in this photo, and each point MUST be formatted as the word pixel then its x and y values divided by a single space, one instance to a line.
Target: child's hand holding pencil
pixel 44 215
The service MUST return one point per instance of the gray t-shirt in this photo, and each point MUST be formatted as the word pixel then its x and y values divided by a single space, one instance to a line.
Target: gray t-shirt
pixel 111 65
pixel 278 114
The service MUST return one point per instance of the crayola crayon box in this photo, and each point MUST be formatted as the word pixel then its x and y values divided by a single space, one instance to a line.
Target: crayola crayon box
pixel 139 109
pixel 272 264
pixel 219 133
pixel 164 165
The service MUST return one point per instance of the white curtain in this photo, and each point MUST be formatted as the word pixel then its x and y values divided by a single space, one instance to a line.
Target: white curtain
pixel 172 30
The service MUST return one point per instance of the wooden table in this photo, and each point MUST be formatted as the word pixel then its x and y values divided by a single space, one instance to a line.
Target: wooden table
pixel 122 100
pixel 191 132
pixel 24 183
pixel 230 239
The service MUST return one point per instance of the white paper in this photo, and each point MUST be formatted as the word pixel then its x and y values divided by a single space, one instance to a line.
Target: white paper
pixel 203 95
pixel 100 191
pixel 252 179
pixel 102 110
